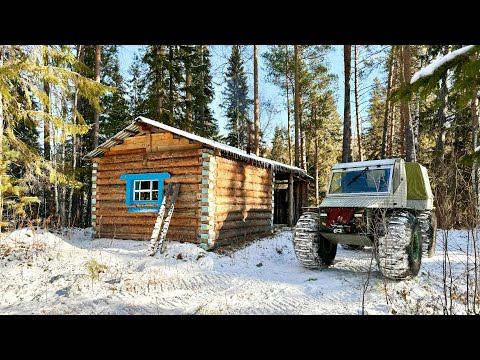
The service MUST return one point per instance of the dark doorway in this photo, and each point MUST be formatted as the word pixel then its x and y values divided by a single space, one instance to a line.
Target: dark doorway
pixel 280 210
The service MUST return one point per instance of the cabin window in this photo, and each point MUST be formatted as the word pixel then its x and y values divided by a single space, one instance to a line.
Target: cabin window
pixel 144 192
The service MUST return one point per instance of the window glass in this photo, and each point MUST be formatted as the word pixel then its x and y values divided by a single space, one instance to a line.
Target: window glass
pixel 360 181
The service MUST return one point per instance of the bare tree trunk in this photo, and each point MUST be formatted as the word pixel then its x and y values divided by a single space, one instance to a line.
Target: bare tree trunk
pixel 314 113
pixel 255 97
pixel 347 120
pixel 300 123
pixel 170 85
pixel 475 126
pixel 288 108
pixel 296 109
pixel 96 113
pixel 409 141
pixel 1 143
pixel 392 130
pixel 442 117
pixel 357 114
pixel 387 102
pixel 159 50
pixel 46 122
pixel 188 85
pixel 201 114
pixel 74 145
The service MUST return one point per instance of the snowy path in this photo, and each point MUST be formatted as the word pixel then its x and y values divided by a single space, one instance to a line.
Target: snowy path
pixel 48 274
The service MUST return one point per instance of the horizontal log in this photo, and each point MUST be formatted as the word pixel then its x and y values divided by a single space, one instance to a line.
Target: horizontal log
pixel 230 184
pixel 174 154
pixel 145 237
pixel 264 200
pixel 123 152
pixel 147 222
pixel 190 170
pixel 132 229
pixel 227 208
pixel 144 142
pixel 219 191
pixel 151 164
pixel 238 169
pixel 144 138
pixel 183 214
pixel 226 225
pixel 121 207
pixel 177 147
pixel 182 196
pixel 225 234
pixel 235 216
pixel 234 176
pixel 121 189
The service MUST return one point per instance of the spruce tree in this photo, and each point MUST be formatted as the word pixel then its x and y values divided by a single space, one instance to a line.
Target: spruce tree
pixel 204 124
pixel 236 102
pixel 115 110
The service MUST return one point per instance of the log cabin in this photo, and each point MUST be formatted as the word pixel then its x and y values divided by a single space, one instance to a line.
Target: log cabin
pixel 226 194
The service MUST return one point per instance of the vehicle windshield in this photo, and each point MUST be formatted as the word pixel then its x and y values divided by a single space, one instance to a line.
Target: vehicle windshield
pixel 360 181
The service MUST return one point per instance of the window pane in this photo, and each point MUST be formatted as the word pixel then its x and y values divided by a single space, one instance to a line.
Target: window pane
pixel 137 185
pixel 145 196
pixel 145 185
pixel 154 195
pixel 155 185
pixel 136 196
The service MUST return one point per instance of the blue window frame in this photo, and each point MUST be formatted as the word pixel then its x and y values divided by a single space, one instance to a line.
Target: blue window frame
pixel 144 189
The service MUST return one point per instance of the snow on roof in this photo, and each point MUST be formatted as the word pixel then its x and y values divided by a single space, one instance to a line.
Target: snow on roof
pixel 133 129
pixel 428 70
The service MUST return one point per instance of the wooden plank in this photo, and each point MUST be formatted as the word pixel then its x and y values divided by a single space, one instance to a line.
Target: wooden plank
pixel 121 207
pixel 174 154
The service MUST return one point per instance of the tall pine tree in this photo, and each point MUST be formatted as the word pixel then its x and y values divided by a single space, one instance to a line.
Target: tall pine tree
pixel 236 102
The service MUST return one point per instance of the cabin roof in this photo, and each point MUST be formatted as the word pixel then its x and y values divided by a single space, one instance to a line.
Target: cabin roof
pixel 134 129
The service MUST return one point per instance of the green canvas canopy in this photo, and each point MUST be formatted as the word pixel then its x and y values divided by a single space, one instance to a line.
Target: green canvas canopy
pixel 416 189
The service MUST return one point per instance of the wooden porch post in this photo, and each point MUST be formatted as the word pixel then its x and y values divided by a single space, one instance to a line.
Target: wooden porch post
pixel 291 210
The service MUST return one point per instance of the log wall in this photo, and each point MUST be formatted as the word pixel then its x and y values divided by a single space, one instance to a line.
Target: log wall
pixel 156 152
pixel 221 200
pixel 243 200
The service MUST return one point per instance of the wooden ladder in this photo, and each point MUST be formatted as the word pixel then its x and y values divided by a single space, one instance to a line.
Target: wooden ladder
pixel 155 242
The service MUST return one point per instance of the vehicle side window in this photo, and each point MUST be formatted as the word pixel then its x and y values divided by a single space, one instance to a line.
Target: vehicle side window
pixel 396 176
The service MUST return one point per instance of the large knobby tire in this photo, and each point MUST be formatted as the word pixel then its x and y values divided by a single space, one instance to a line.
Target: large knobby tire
pixel 313 251
pixel 399 250
pixel 428 227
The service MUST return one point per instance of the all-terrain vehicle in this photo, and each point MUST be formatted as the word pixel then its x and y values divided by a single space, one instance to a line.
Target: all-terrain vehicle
pixel 387 204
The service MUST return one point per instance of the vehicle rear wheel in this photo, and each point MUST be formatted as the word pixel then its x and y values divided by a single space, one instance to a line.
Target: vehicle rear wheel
pixel 313 250
pixel 428 227
pixel 399 249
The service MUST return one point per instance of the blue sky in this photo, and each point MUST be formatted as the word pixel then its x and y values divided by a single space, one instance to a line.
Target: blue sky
pixel 267 91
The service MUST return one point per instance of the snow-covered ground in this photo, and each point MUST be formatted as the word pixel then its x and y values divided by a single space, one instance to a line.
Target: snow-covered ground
pixel 69 273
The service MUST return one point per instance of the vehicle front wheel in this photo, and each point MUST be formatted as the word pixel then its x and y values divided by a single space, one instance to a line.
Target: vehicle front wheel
pixel 313 250
pixel 399 249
